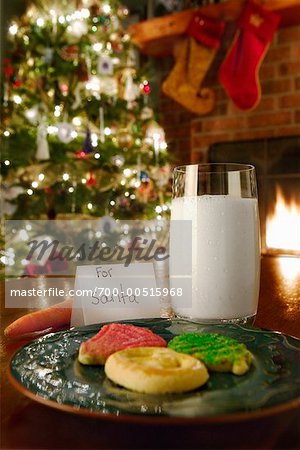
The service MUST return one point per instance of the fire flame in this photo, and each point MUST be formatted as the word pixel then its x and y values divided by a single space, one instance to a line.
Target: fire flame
pixel 290 268
pixel 283 226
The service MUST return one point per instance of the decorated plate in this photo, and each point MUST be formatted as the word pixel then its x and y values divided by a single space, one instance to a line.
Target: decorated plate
pixel 47 370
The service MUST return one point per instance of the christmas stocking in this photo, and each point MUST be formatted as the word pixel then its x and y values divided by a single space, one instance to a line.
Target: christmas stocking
pixel 194 57
pixel 239 71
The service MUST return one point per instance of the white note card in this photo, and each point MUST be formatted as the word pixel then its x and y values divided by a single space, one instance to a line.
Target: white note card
pixel 111 292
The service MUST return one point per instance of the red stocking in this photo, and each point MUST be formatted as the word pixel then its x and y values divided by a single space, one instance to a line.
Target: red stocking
pixel 239 71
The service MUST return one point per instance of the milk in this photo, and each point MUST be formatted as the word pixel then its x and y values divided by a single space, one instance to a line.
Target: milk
pixel 225 256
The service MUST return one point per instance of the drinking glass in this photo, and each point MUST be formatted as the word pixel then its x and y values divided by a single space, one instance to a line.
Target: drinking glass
pixel 220 203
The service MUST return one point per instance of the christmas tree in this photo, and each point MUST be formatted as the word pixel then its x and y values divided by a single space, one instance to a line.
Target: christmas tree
pixel 79 134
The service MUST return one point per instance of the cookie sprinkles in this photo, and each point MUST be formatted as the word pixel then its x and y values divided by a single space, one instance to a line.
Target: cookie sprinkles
pixel 218 352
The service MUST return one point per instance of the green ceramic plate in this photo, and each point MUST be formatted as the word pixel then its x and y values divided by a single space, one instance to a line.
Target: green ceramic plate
pixel 48 371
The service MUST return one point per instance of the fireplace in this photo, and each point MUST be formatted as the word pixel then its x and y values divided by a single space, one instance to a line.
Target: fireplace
pixel 277 162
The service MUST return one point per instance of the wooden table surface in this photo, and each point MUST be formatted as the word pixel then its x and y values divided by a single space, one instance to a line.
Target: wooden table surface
pixel 26 424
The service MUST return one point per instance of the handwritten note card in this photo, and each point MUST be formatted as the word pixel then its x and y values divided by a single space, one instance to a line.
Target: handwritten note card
pixel 111 292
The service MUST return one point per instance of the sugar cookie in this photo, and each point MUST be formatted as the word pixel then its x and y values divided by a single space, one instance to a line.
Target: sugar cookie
pixel 114 337
pixel 218 352
pixel 155 370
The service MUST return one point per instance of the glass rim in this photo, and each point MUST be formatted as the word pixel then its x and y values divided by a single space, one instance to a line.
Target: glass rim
pixel 231 167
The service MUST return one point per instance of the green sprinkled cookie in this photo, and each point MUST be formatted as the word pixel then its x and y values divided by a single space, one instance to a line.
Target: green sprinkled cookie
pixel 218 352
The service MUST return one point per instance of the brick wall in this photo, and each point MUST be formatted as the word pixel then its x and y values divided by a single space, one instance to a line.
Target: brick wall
pixel 278 113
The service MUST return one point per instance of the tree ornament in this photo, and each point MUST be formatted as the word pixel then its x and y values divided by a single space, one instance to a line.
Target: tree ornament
pixel 48 55
pixel 146 87
pixel 144 177
pixel 87 144
pixel 69 52
pixel 239 71
pixel 42 153
pixel 5 94
pixel 122 11
pixel 64 132
pixel 114 37
pixel 82 70
pixel 195 55
pixel 130 93
pixel 124 138
pixel 105 65
pixel 77 95
pixel 91 179
pixel 63 87
pixel 155 134
pixel 15 81
pixel 118 160
pixel 94 85
pixel 9 72
pixel 8 68
pixel 146 191
pixel 132 58
pixel 80 154
pixel 109 86
pixel 147 113
pixel 117 46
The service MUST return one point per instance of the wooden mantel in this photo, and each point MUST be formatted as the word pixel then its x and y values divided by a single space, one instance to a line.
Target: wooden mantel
pixel 156 37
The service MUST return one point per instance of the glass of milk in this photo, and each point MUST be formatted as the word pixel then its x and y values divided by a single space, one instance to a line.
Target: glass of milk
pixel 216 260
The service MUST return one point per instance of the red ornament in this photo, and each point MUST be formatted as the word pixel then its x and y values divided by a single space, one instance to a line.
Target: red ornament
pixel 8 68
pixel 117 46
pixel 146 88
pixel 81 154
pixel 17 83
pixel 69 52
pixel 9 73
pixel 91 180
